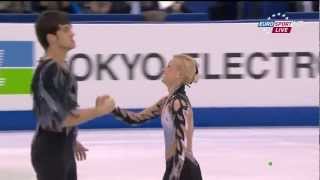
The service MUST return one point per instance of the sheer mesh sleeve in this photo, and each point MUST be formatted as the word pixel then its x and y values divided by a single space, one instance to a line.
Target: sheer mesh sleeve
pixel 140 117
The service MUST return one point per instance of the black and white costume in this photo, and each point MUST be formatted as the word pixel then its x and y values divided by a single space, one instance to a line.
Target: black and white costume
pixel 177 122
pixel 54 91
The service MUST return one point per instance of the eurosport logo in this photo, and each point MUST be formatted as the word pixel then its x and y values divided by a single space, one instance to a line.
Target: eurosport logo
pixel 277 23
pixel 16 67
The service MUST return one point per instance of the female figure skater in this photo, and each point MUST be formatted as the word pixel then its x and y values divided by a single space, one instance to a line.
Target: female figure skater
pixel 176 119
pixel 55 105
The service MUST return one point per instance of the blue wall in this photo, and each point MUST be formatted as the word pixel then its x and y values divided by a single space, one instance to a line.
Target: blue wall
pixel 204 117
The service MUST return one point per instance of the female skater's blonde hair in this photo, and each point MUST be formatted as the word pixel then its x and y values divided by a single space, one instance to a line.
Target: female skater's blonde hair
pixel 188 68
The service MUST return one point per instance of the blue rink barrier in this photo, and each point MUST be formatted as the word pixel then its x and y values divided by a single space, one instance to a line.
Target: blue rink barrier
pixel 105 18
pixel 303 15
pixel 204 117
pixel 31 18
pixel 139 18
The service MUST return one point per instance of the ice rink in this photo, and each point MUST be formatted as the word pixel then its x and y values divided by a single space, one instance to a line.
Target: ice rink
pixel 277 153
